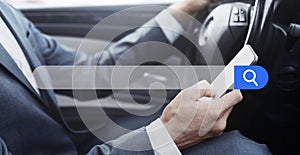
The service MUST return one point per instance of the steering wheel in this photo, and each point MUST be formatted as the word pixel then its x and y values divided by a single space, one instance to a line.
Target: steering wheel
pixel 263 25
pixel 269 115
pixel 226 26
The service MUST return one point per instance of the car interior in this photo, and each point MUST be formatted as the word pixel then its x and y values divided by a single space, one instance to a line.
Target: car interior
pixel 266 25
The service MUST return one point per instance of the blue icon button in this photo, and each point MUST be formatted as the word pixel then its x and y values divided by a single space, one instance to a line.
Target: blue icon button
pixel 250 77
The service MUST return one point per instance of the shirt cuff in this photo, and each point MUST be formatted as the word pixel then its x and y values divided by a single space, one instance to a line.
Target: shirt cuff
pixel 160 139
pixel 169 25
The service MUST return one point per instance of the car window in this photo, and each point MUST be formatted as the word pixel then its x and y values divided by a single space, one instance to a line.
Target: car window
pixel 22 4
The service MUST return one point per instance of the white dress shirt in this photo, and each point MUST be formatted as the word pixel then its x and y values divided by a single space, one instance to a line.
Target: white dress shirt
pixel 13 48
pixel 159 137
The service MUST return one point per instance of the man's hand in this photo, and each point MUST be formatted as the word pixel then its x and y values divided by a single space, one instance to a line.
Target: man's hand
pixel 191 121
pixel 190 7
pixel 185 10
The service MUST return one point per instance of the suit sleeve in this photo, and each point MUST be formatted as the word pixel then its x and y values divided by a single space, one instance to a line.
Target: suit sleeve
pixel 54 53
pixel 133 143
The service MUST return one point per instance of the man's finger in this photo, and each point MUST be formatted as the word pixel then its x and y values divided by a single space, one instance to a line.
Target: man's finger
pixel 225 114
pixel 231 99
pixel 221 123
pixel 201 89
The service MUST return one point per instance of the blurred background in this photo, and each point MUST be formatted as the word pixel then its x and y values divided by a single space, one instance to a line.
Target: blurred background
pixel 66 3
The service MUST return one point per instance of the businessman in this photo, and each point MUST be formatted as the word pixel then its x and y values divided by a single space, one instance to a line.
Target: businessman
pixel 31 122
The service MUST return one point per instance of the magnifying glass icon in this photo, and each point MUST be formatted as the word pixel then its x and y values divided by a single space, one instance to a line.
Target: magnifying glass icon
pixel 252 80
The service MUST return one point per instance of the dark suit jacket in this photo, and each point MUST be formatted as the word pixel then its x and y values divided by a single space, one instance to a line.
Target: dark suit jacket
pixel 31 123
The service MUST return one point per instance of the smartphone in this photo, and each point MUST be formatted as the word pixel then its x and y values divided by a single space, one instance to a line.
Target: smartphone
pixel 245 57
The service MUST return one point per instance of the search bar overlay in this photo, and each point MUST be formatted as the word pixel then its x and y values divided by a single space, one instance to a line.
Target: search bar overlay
pixel 250 77
pixel 123 77
pixel 145 77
